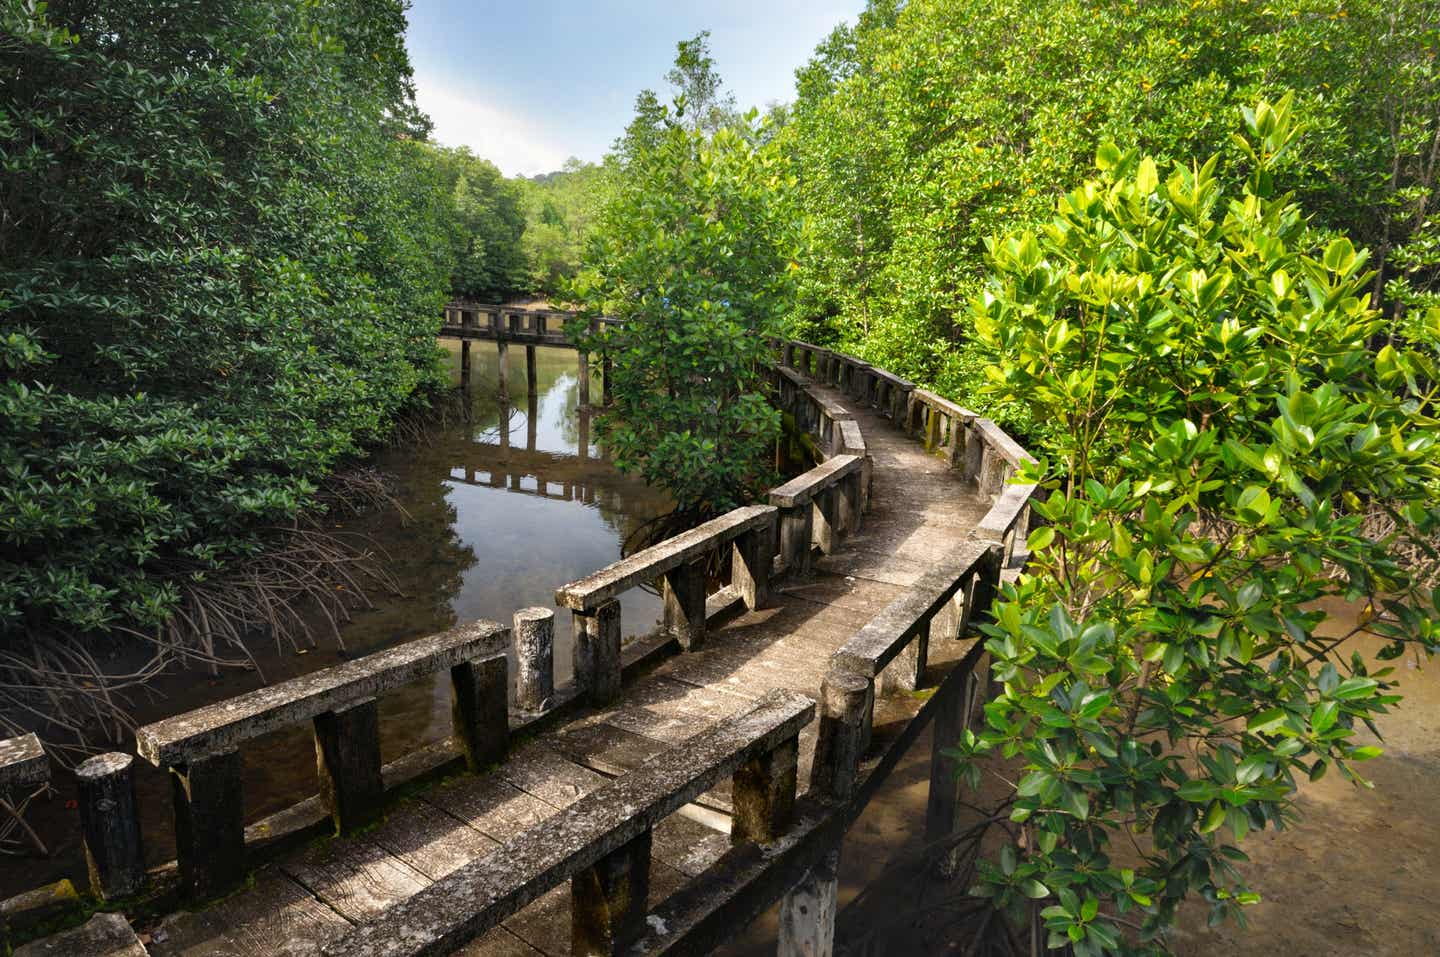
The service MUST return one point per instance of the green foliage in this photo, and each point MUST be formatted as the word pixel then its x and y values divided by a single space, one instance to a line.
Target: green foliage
pixel 484 222
pixel 1224 435
pixel 935 123
pixel 561 212
pixel 220 277
pixel 693 253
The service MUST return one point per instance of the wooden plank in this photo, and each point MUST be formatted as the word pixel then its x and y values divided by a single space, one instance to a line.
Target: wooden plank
pixel 430 840
pixel 222 726
pixel 607 749
pixel 687 845
pixel 490 805
pixel 275 917
pixel 648 564
pixel 104 935
pixel 356 877
pixel 498 943
pixel 23 762
pixel 537 770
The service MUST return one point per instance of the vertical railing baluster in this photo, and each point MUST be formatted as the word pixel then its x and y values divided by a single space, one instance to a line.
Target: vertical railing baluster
pixel 347 762
pixel 480 707
pixel 209 824
pixel 597 653
pixel 683 591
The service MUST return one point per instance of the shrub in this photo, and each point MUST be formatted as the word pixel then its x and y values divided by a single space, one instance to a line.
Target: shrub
pixel 1224 435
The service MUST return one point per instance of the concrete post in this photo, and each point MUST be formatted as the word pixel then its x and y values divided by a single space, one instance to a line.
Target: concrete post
pixel 347 764
pixel 597 653
pixel 209 824
pixel 845 703
pixel 751 557
pixel 808 911
pixel 531 384
pixel 534 631
pixel 683 590
pixel 826 520
pixel 796 533
pixel 480 709
pixel 608 900
pixel 503 364
pixel 763 794
pixel 110 825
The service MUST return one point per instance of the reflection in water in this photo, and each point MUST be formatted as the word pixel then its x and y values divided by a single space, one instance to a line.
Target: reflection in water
pixel 504 506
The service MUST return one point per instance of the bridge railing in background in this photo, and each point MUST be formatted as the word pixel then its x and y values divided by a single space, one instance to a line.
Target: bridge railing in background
pixel 201 748
pixel 602 842
pixel 818 509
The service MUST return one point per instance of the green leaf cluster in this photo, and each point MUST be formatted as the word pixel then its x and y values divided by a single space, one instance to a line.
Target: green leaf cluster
pixel 1225 436
pixel 932 124
pixel 219 272
pixel 694 252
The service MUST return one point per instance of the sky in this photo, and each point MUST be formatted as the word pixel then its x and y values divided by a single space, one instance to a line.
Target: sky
pixel 528 84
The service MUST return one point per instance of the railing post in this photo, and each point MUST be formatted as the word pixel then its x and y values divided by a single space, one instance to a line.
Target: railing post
pixel 808 911
pixel 534 631
pixel 907 671
pixel 796 535
pixel 480 708
pixel 955 450
pixel 209 824
pixel 942 804
pixel 110 825
pixel 347 764
pixel 848 495
pixel 503 365
pixel 597 653
pixel 900 407
pixel 608 900
pixel 788 355
pixel 826 519
pixel 763 794
pixel 932 429
pixel 845 701
pixel 683 590
pixel 750 559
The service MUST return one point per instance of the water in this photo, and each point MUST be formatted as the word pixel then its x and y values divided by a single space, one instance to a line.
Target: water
pixel 506 503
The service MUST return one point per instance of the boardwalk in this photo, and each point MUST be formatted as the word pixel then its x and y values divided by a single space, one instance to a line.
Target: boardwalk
pixel 919 510
pixel 679 785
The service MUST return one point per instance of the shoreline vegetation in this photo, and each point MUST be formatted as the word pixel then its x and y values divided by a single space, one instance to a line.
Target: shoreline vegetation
pixel 1188 252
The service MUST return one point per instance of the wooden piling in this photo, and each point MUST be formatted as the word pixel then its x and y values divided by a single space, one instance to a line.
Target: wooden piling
pixel 808 911
pixel 683 589
pixel 480 708
pixel 465 363
pixel 845 702
pixel 347 763
pixel 942 806
pixel 110 825
pixel 503 365
pixel 582 375
pixel 608 900
pixel 532 384
pixel 605 393
pixel 763 794
pixel 597 653
pixel 534 636
pixel 209 824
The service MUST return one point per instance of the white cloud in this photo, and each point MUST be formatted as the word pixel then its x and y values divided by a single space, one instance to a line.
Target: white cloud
pixel 511 142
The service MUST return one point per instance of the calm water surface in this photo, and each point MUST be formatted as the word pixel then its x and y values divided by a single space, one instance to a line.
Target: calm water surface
pixel 506 502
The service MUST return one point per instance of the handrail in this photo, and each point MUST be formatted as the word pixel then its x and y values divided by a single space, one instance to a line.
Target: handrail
pixel 202 747
pixel 602 842
pixel 680 563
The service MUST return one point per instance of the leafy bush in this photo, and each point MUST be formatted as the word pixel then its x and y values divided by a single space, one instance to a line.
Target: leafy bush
pixel 219 279
pixel 935 123
pixel 1225 437
pixel 693 253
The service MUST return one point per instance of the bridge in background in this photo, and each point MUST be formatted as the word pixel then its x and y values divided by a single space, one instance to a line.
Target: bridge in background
pixel 681 784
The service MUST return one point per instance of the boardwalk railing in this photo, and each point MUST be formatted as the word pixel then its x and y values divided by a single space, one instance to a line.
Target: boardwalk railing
pixel 819 508
pixel 602 842
pixel 202 747
pixel 680 563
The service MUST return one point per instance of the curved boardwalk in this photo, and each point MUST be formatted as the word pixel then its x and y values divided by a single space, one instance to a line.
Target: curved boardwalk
pixel 919 510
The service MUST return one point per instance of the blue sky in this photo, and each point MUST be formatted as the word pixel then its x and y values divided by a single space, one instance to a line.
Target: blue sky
pixel 526 84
